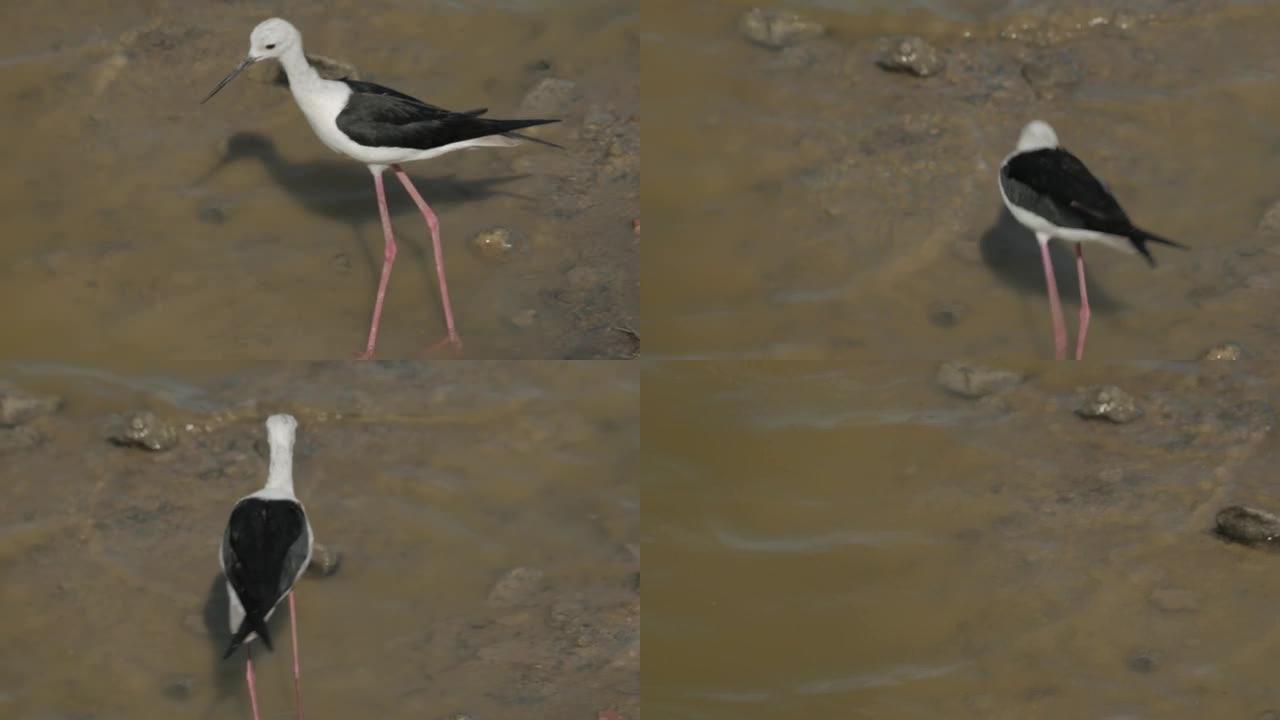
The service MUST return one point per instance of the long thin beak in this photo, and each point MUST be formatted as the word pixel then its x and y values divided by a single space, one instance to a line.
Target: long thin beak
pixel 239 69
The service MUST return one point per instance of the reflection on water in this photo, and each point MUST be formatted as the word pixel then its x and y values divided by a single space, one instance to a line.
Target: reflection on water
pixel 819 206
pixel 432 482
pixel 1015 562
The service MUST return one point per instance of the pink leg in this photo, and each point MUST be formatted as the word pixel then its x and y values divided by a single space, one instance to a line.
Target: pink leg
pixel 1084 304
pixel 1055 305
pixel 253 686
pixel 297 673
pixel 434 225
pixel 388 259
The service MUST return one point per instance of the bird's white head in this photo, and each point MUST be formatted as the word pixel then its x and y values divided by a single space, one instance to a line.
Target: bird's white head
pixel 281 431
pixel 273 38
pixel 1037 135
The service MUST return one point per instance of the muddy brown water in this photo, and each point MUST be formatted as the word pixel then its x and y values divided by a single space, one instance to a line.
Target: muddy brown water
pixel 130 244
pixel 433 482
pixel 823 542
pixel 804 203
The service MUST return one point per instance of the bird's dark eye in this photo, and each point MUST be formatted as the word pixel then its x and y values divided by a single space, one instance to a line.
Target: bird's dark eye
pixel 272 46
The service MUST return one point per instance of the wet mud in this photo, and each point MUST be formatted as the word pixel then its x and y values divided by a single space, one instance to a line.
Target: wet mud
pixel 935 554
pixel 480 526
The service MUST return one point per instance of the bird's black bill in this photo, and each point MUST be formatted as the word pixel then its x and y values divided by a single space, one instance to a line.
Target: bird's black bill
pixel 239 69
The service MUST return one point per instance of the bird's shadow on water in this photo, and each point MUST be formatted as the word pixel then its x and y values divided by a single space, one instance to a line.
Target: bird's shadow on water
pixel 1012 253
pixel 228 674
pixel 343 190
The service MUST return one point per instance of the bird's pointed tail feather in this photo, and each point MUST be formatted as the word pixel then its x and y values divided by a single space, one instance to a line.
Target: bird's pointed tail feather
pixel 250 625
pixel 1141 237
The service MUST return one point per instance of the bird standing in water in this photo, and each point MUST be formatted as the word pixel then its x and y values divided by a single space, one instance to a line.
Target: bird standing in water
pixel 381 128
pixel 1053 194
pixel 265 549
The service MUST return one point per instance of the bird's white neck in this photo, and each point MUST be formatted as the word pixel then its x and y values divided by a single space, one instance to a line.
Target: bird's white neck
pixel 280 471
pixel 295 65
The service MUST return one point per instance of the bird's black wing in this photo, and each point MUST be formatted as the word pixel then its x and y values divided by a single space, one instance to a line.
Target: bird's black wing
pixel 259 538
pixel 368 88
pixel 377 116
pixel 1056 185
pixel 295 560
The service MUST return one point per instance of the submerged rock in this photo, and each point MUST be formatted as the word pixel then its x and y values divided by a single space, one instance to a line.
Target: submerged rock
pixel 549 97
pixel 516 586
pixel 143 430
pixel 946 314
pixel 1224 351
pixel 494 244
pixel 1052 75
pixel 975 381
pixel 19 438
pixel 910 54
pixel 1107 402
pixel 17 408
pixel 1248 526
pixel 325 560
pixel 778 29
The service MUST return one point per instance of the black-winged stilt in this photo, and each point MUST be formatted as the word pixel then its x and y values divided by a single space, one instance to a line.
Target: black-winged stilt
pixel 266 548
pixel 1053 194
pixel 381 128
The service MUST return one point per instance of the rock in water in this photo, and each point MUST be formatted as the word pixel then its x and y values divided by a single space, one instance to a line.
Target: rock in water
pixel 973 381
pixel 1225 351
pixel 143 430
pixel 325 560
pixel 19 408
pixel 1248 526
pixel 1107 402
pixel 910 54
pixel 775 29
pixel 515 587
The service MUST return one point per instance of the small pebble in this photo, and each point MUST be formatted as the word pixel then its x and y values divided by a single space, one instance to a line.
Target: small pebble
pixel 213 215
pixel 1107 402
pixel 494 244
pixel 1052 75
pixel 1248 526
pixel 1225 351
pixel 525 318
pixel 974 381
pixel 143 430
pixel 910 54
pixel 18 408
pixel 516 586
pixel 179 687
pixel 776 29
pixel 947 314
pixel 1142 663
pixel 325 560
pixel 549 97
pixel 19 438
pixel 1270 222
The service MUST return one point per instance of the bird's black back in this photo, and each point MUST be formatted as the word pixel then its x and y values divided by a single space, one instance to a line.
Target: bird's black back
pixel 263 550
pixel 378 116
pixel 1064 191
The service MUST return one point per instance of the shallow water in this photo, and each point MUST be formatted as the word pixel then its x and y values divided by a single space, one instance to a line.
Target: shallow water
pixel 831 542
pixel 432 482
pixel 130 245
pixel 805 203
